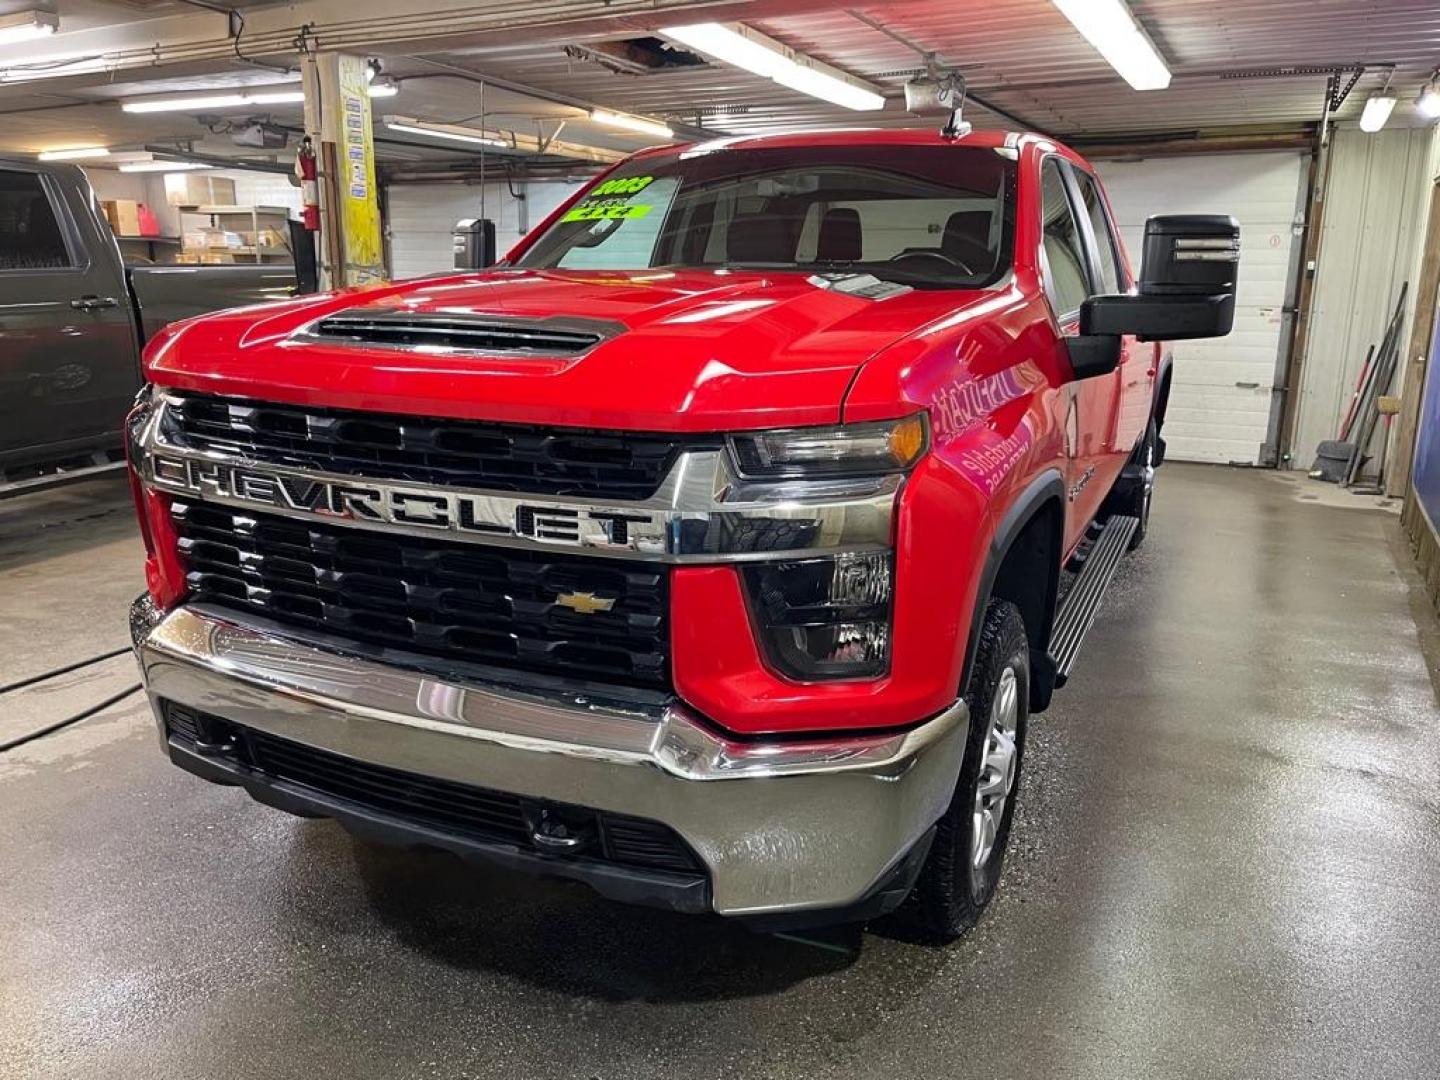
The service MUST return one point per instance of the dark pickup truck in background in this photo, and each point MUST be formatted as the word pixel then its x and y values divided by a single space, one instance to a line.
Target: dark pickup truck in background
pixel 73 318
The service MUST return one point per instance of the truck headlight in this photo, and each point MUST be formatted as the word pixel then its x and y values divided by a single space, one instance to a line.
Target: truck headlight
pixel 824 618
pixel 847 450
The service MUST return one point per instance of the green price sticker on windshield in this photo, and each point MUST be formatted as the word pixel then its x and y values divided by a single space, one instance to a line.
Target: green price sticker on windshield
pixel 605 212
pixel 608 201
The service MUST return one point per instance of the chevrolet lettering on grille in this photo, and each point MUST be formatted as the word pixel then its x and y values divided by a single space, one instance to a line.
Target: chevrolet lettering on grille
pixel 361 501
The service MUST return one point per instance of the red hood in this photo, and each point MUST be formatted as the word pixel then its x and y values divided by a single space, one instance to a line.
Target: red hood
pixel 702 350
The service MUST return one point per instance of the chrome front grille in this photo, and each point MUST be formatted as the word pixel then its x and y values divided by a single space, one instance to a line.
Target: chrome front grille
pixel 601 620
pixel 426 450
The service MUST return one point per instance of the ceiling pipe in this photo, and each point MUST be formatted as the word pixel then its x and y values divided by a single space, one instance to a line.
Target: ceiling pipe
pixel 452 71
pixel 221 162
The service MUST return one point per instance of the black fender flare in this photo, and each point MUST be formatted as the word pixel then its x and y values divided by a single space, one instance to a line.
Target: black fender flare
pixel 1050 484
pixel 1163 371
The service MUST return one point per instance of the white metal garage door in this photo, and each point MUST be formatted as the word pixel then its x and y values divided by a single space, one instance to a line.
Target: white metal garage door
pixel 1220 397
pixel 421 217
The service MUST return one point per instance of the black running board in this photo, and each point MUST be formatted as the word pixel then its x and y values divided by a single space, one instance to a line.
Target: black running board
pixel 1077 615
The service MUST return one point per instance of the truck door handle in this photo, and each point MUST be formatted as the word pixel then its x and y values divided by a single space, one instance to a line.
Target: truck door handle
pixel 93 303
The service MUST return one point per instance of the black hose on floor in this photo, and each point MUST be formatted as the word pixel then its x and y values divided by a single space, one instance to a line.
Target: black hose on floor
pixel 82 715
pixel 31 680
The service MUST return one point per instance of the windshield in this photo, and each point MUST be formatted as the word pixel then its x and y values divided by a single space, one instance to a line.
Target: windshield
pixel 926 216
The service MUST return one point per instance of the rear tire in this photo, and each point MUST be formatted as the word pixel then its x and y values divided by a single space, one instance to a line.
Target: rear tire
pixel 959 877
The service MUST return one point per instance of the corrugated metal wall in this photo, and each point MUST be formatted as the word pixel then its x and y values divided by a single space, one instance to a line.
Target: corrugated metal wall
pixel 420 218
pixel 1370 242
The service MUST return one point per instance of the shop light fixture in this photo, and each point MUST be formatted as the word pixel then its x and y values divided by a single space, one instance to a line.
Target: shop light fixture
pixel 27 26
pixel 162 166
pixel 1378 108
pixel 79 153
pixel 1112 30
pixel 1428 102
pixel 239 99
pixel 452 132
pixel 743 47
pixel 632 123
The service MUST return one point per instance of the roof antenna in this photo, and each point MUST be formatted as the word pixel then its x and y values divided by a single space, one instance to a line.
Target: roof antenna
pixel 940 89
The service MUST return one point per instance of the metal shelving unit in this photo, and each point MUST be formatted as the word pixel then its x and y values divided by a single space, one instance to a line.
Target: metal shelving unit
pixel 253 218
pixel 128 243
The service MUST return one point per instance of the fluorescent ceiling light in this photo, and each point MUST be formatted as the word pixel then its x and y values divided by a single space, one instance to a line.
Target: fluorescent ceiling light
pixel 79 153
pixel 816 83
pixel 453 132
pixel 1428 103
pixel 162 166
pixel 631 123
pixel 1113 31
pixel 27 25
pixel 1378 108
pixel 384 87
pixel 278 97
pixel 237 99
pixel 743 47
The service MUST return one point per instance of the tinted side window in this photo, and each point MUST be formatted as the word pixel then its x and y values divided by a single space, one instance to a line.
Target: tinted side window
pixel 1111 275
pixel 30 237
pixel 1066 279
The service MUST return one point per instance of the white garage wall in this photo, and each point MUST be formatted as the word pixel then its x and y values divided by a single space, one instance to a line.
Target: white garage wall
pixel 1371 236
pixel 1221 391
pixel 420 218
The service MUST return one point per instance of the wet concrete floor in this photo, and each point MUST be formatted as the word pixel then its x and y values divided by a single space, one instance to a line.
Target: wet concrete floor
pixel 1226 864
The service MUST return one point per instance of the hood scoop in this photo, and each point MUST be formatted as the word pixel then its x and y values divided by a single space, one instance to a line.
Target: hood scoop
pixel 479 335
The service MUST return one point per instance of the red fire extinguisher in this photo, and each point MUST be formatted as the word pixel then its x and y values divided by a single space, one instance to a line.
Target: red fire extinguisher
pixel 309 188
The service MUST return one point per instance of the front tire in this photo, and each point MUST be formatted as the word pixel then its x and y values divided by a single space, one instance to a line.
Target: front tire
pixel 959 877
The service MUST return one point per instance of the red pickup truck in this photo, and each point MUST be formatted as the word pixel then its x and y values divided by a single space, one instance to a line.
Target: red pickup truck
pixel 705 550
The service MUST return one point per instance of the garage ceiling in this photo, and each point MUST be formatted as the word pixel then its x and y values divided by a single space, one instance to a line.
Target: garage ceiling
pixel 1237 64
pixel 1024 57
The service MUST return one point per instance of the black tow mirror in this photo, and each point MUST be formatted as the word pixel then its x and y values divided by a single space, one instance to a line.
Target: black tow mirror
pixel 1187 283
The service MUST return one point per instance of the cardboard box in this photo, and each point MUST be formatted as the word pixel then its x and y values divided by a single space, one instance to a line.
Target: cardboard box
pixel 123 215
pixel 198 189
pixel 220 240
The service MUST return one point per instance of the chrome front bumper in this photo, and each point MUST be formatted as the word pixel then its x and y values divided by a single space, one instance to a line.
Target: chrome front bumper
pixel 781 826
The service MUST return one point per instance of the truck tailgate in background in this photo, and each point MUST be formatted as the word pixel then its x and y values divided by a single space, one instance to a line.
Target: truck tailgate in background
pixel 165 294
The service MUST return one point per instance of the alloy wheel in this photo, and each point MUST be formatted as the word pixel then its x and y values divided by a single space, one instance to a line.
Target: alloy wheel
pixel 997 769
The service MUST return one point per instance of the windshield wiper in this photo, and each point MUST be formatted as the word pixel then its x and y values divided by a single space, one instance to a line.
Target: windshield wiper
pixel 882 271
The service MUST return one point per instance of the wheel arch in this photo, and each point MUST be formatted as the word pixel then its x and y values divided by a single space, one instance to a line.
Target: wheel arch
pixel 1022 565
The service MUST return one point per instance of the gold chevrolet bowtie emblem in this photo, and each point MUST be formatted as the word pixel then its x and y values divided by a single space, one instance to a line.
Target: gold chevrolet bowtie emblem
pixel 584 603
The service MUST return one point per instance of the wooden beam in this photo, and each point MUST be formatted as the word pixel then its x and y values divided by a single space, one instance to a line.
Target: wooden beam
pixel 1422 329
pixel 1300 333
